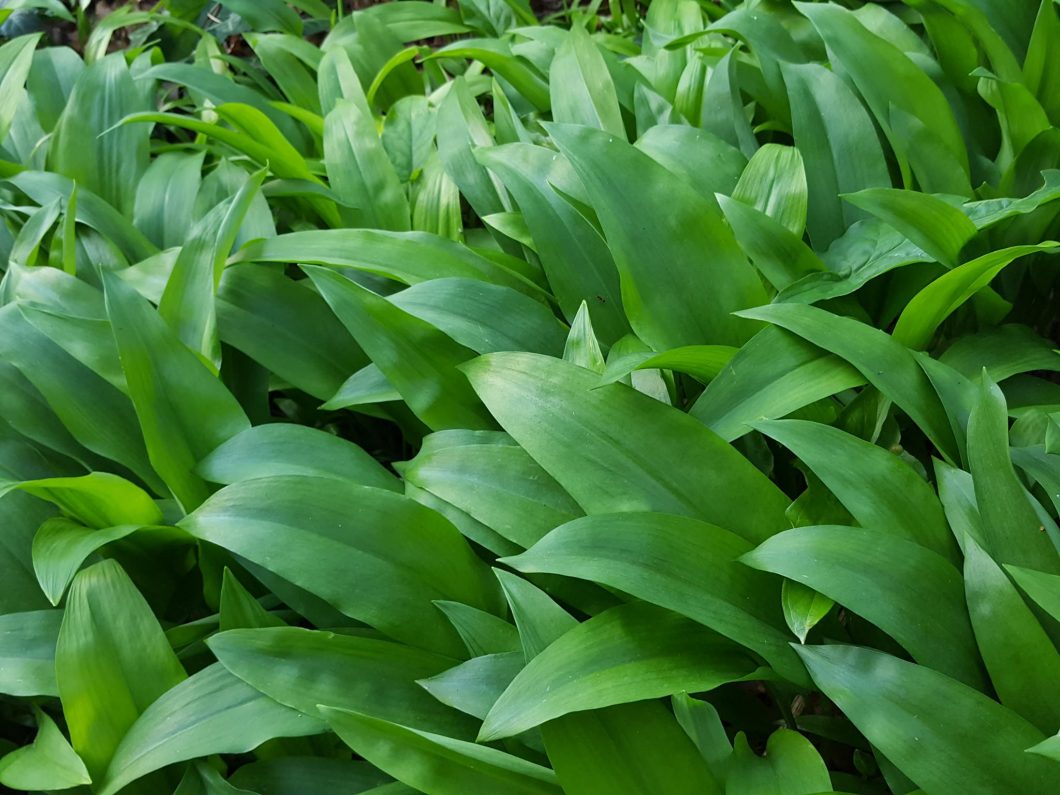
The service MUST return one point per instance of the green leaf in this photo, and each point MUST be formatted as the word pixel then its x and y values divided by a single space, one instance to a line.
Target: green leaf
pixel 184 411
pixel 803 607
pixel 483 317
pixel 1043 588
pixel 791 766
pixel 211 712
pixel 935 225
pixel 774 183
pixel 880 490
pixel 474 686
pixel 1011 530
pixel 837 140
pixel 494 480
pixel 291 775
pixel 934 303
pixel 27 663
pixel 262 15
pixel 629 653
pixel 165 197
pixel 497 56
pixel 112 660
pixel 886 580
pixel 116 157
pixel 187 304
pixel 358 169
pixel 1022 661
pixel 303 668
pixel 99 499
pixel 573 255
pixel 886 364
pixel 48 764
pixel 403 555
pixel 580 436
pixel 482 633
pixel 916 118
pixel 289 449
pixel 661 559
pixel 435 764
pixel 581 88
pixel 61 546
pixel 582 347
pixel 408 257
pixel 16 56
pixel 286 327
pixel 240 610
pixel 942 734
pixel 671 296
pixel 416 358
pixel 771 376
pixel 704 362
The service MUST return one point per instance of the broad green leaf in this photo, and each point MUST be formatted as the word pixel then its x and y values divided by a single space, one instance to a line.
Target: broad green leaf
pixel 933 224
pixel 418 359
pixel 187 304
pixel 581 88
pixel 61 546
pixel 704 161
pixel 461 129
pixel 780 255
pixel 289 449
pixel 286 327
pixel 1049 748
pixel 839 146
pixel 704 362
pixel 116 158
pixel 483 317
pixel 573 255
pixel 1012 533
pixel 1043 588
pixel 917 120
pixel 265 15
pixel 615 748
pixel 803 607
pixel 240 610
pixel 885 363
pixel 49 763
pixel 494 481
pixel 662 559
pixel 408 257
pixel 880 490
pixel 497 56
pixel 402 555
pixel 165 197
pixel 184 411
pixel 934 303
pixel 211 712
pixel 942 734
pixel 771 376
pixel 112 660
pixel 1022 661
pixel 302 668
pixel 358 169
pixel 582 348
pixel 482 633
pixel 99 499
pixel 579 435
pixel 95 412
pixel 671 296
pixel 27 662
pixel 435 764
pixel 791 766
pixel 16 58
pixel 886 580
pixel 291 775
pixel 473 687
pixel 629 653
pixel 774 183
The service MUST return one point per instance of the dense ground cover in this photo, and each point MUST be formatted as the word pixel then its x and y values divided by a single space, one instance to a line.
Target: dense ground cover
pixel 642 399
